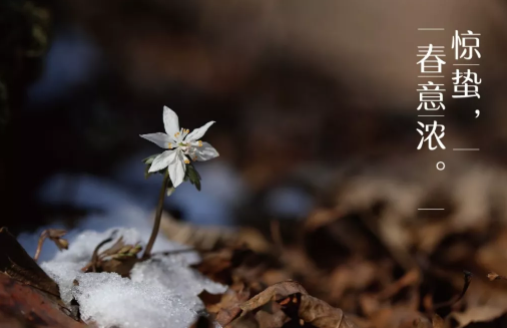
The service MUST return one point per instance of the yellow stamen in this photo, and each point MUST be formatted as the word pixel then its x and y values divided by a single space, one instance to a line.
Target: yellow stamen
pixel 200 143
pixel 170 145
pixel 187 161
pixel 187 131
pixel 176 134
pixel 194 158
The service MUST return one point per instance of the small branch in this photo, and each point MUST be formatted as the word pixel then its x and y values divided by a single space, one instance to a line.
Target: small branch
pixel 42 237
pixel 158 217
pixel 467 280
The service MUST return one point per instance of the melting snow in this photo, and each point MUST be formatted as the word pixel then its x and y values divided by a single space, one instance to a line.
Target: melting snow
pixel 162 292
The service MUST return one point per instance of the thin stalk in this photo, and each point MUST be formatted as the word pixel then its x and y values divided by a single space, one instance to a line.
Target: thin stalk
pixel 158 216
pixel 42 237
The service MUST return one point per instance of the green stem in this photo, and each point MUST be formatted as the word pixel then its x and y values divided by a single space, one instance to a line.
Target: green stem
pixel 158 216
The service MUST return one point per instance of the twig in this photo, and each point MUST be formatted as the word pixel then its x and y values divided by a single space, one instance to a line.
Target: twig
pixel 42 237
pixel 184 250
pixel 467 280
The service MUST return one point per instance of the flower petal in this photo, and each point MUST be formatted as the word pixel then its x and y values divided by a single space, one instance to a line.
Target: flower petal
pixel 205 152
pixel 177 167
pixel 171 121
pixel 199 132
pixel 161 161
pixel 160 139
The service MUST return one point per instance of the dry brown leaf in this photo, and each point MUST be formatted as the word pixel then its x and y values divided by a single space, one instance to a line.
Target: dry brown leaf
pixel 297 304
pixel 492 257
pixel 355 275
pixel 229 307
pixel 211 238
pixel 412 277
pixel 119 258
pixel 477 314
pixel 121 267
pixel 418 323
pixel 217 265
pixel 399 317
pixel 322 315
pixel 275 293
pixel 55 235
pixel 438 322
pixel 267 320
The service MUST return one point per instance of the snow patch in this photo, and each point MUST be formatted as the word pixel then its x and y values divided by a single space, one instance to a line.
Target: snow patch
pixel 162 292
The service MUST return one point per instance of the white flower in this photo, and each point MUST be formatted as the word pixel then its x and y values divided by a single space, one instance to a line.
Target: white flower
pixel 181 145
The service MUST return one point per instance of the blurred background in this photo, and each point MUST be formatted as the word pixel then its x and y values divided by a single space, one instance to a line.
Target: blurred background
pixel 315 104
pixel 309 98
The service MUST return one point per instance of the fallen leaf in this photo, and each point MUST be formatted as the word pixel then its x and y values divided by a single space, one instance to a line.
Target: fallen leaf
pixel 211 238
pixel 399 317
pixel 318 313
pixel 268 320
pixel 437 321
pixel 275 293
pixel 297 304
pixel 229 306
pixel 217 266
pixel 477 314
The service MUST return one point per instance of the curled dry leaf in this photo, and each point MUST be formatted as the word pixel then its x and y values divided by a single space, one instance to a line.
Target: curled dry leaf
pixel 55 235
pixel 316 312
pixel 297 304
pixel 229 306
pixel 119 258
pixel 276 293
